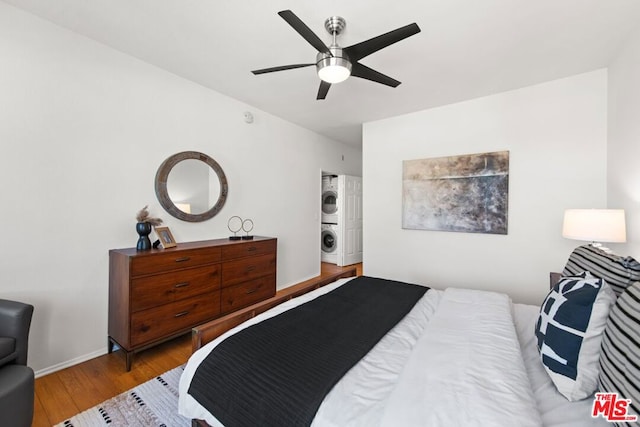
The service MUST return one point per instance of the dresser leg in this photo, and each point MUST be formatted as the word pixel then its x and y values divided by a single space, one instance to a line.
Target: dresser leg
pixel 129 357
pixel 109 345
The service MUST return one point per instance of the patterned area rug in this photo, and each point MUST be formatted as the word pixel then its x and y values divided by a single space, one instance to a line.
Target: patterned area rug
pixel 154 403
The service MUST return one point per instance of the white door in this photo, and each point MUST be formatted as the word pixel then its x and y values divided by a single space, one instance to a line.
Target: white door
pixel 350 219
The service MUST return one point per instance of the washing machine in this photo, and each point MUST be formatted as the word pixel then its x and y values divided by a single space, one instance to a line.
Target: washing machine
pixel 330 199
pixel 329 243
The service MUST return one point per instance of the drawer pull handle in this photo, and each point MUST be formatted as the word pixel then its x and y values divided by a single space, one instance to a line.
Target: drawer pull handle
pixel 182 313
pixel 250 291
pixel 250 268
pixel 252 249
pixel 183 259
pixel 181 285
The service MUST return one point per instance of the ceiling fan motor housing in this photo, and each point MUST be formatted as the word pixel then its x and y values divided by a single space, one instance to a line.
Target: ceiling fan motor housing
pixel 339 59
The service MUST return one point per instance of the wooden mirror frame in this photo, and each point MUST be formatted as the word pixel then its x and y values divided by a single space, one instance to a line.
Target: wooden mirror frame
pixel 163 195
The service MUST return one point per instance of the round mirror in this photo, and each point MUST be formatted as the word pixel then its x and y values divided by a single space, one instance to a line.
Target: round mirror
pixel 191 186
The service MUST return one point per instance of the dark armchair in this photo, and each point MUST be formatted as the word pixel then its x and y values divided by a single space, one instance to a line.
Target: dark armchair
pixel 16 378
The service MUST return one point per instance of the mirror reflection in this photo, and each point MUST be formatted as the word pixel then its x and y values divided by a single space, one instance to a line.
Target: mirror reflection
pixel 193 186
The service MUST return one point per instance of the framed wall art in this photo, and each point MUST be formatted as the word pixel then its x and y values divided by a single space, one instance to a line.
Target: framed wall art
pixel 468 193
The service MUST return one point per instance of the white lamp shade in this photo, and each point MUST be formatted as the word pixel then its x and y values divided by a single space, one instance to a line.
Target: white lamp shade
pixel 595 225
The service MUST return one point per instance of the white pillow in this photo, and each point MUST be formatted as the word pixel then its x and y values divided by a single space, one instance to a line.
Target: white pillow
pixel 569 330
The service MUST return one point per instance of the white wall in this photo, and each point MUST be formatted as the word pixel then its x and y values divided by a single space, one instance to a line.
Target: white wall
pixel 623 168
pixel 556 135
pixel 83 129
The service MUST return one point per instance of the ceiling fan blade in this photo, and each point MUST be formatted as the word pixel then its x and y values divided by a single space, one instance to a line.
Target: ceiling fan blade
pixel 304 31
pixel 364 72
pixel 367 47
pixel 323 89
pixel 280 68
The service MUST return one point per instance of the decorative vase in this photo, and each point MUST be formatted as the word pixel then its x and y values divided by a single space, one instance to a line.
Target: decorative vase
pixel 143 229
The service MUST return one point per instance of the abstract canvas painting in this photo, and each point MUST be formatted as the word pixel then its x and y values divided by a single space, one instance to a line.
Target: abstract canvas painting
pixel 468 193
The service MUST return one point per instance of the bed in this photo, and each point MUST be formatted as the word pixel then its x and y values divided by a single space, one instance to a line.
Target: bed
pixel 457 357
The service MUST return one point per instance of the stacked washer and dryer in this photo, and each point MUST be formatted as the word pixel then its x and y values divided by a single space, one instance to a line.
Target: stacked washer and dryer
pixel 341 228
pixel 329 237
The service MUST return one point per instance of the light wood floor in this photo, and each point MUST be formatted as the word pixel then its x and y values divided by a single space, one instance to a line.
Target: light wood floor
pixel 67 392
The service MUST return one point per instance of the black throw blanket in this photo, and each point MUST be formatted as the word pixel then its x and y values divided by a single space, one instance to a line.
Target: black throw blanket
pixel 277 372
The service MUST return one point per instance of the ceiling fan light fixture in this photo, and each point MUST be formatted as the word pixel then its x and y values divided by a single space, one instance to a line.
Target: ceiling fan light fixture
pixel 334 73
pixel 333 69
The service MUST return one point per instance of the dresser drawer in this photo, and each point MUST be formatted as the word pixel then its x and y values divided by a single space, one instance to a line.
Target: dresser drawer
pixel 250 248
pixel 172 260
pixel 154 323
pixel 151 291
pixel 234 272
pixel 247 293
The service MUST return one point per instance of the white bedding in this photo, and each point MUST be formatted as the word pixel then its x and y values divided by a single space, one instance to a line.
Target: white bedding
pixel 466 368
pixel 378 390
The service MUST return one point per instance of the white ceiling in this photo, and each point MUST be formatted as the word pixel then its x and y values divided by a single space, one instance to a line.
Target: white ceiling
pixel 467 48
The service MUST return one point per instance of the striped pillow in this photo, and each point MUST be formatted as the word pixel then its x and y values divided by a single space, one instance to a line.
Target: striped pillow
pixel 619 272
pixel 620 350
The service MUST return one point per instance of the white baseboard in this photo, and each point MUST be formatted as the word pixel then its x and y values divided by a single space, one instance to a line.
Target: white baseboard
pixel 75 361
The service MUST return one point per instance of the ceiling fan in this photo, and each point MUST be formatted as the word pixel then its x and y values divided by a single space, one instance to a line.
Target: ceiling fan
pixel 335 64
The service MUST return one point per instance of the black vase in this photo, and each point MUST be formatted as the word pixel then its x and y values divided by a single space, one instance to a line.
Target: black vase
pixel 143 229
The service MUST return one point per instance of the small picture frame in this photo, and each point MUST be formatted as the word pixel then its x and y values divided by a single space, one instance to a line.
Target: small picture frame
pixel 165 236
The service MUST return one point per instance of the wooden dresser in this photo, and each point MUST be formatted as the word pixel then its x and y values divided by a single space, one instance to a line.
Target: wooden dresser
pixel 159 294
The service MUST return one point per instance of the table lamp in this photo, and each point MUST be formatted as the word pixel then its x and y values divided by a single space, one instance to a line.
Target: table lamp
pixel 595 226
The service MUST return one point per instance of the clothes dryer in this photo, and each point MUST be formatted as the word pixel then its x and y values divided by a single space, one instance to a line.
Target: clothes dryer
pixel 330 199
